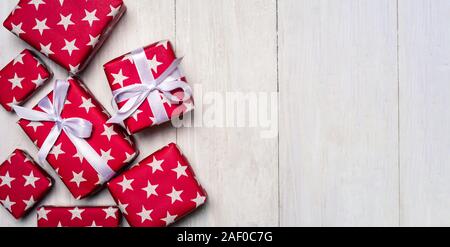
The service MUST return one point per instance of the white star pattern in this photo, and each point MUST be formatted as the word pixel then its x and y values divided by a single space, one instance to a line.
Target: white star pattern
pixel 35 125
pixel 163 43
pixel 87 104
pixel 39 81
pixel 126 184
pixel 29 203
pixel 17 29
pixel 78 178
pixel 156 165
pixel 90 17
pixel 30 180
pixel 36 3
pixel 106 155
pixel 150 189
pixel 119 78
pixel 41 26
pixel 70 46
pixel 42 213
pixel 129 158
pixel 13 102
pixel 46 50
pixel 74 69
pixel 199 200
pixel 154 63
pixel 169 218
pixel 65 21
pixel 114 11
pixel 18 59
pixel 175 195
pixel 7 203
pixel 180 170
pixel 79 156
pixel 128 57
pixel 93 40
pixel 76 213
pixel 94 225
pixel 135 115
pixel 123 207
pixel 110 212
pixel 108 131
pixel 145 214
pixel 56 151
pixel 16 81
pixel 6 180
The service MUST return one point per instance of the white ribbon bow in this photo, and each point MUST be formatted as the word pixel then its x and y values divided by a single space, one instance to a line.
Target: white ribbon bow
pixel 149 89
pixel 76 129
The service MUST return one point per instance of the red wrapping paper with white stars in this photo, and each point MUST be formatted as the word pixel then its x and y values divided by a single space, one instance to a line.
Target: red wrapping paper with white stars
pixel 122 72
pixel 22 183
pixel 109 141
pixel 21 77
pixel 69 32
pixel 49 216
pixel 158 191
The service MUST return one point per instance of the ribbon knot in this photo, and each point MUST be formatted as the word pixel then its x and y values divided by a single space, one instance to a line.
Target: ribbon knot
pixel 76 129
pixel 150 90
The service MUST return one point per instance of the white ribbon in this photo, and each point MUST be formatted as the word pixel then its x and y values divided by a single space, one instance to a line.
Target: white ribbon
pixel 149 90
pixel 76 129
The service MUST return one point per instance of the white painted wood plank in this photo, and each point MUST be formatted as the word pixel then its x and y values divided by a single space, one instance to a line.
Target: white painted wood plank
pixel 230 46
pixel 140 26
pixel 338 117
pixel 424 40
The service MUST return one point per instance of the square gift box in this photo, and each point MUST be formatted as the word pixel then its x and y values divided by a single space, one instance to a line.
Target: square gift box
pixel 69 32
pixel 77 142
pixel 21 77
pixel 160 190
pixel 49 216
pixel 148 87
pixel 22 183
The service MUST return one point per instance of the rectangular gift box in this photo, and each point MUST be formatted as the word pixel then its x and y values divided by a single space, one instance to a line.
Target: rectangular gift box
pixel 151 61
pixel 68 32
pixel 109 143
pixel 23 183
pixel 158 191
pixel 50 216
pixel 21 77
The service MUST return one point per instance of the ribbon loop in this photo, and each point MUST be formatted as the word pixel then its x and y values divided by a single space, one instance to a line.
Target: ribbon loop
pixel 150 90
pixel 76 129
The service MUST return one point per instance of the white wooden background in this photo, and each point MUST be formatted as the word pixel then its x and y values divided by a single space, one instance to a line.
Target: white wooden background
pixel 364 132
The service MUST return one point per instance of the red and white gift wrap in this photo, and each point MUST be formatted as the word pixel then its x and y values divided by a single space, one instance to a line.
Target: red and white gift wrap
pixel 22 183
pixel 20 78
pixel 69 126
pixel 49 216
pixel 158 191
pixel 69 32
pixel 148 87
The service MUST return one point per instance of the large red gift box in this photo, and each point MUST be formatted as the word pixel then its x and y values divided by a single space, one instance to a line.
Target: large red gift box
pixel 22 183
pixel 154 62
pixel 81 162
pixel 69 32
pixel 50 216
pixel 21 77
pixel 160 190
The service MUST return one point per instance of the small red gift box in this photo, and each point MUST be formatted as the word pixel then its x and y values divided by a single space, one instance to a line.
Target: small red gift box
pixel 148 87
pixel 20 78
pixel 160 190
pixel 68 32
pixel 69 126
pixel 22 183
pixel 49 216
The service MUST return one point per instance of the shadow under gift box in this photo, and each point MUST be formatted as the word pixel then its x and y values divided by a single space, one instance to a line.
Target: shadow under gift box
pixel 68 32
pixel 110 142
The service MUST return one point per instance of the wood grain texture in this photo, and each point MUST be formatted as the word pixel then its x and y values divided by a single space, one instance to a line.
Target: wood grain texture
pixel 230 46
pixel 338 117
pixel 424 112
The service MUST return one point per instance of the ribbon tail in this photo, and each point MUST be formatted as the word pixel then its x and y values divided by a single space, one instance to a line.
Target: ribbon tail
pixel 128 109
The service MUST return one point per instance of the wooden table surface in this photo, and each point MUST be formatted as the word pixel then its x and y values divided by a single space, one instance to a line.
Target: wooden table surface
pixel 363 108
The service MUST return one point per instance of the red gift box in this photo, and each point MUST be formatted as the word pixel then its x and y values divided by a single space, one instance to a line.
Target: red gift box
pixel 22 183
pixel 83 160
pixel 49 216
pixel 68 32
pixel 151 77
pixel 160 190
pixel 20 78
